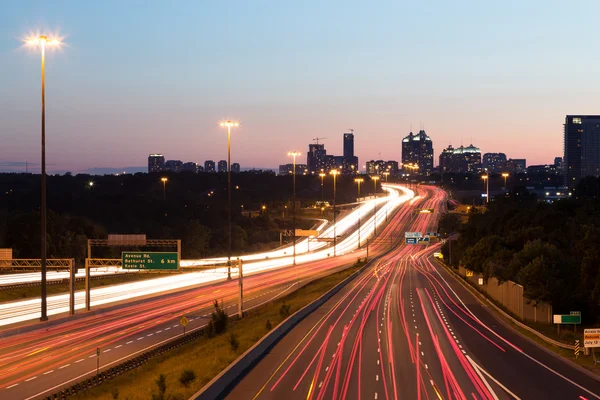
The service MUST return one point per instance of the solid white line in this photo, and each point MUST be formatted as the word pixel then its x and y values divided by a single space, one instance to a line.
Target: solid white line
pixel 479 370
pixel 12 386
pixel 30 379
pixel 64 366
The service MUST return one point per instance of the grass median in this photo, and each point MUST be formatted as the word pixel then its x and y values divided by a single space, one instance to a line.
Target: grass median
pixel 188 368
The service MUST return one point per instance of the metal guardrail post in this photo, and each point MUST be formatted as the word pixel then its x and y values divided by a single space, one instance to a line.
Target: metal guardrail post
pixel 72 288
pixel 87 285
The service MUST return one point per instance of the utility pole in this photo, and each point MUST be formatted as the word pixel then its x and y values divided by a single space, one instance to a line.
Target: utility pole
pixel 241 293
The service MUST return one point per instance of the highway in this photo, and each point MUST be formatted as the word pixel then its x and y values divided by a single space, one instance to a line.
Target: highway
pixel 47 358
pixel 406 329
pixel 27 310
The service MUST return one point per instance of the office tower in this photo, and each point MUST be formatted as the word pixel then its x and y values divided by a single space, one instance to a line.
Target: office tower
pixel 173 165
pixel 235 168
pixel 418 150
pixel 156 163
pixel 348 145
pixel 446 163
pixel 209 166
pixel 200 168
pixel 516 165
pixel 349 160
pixel 582 148
pixel 315 158
pixel 222 166
pixel 460 160
pixel 494 162
pixel 287 169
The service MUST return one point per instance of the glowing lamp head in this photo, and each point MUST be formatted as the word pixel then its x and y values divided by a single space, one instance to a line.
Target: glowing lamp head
pixel 164 179
pixel 505 175
pixel 229 124
pixel 43 40
pixel 484 177
pixel 334 172
pixel 359 180
pixel 322 175
pixel 293 153
pixel 375 178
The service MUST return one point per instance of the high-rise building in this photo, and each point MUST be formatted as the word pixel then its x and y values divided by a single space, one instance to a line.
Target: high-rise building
pixel 582 148
pixel 516 165
pixel 156 163
pixel 418 150
pixel 200 168
pixel 348 145
pixel 222 166
pixel 316 158
pixel 190 167
pixel 173 165
pixel 235 168
pixel 494 162
pixel 460 160
pixel 378 167
pixel 209 166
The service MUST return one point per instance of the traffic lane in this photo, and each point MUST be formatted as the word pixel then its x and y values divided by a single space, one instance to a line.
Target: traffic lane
pixel 84 365
pixel 519 363
pixel 258 382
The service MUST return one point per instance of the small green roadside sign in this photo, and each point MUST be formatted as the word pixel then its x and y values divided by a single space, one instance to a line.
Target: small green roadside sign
pixel 567 319
pixel 149 260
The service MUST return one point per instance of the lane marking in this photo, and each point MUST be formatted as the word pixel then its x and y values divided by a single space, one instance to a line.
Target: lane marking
pixel 64 366
pixel 30 379
pixel 131 341
pixel 106 351
pixel 48 372
pixel 12 386
pixel 78 361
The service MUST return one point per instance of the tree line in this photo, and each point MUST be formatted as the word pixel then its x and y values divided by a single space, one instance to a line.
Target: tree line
pixel 552 250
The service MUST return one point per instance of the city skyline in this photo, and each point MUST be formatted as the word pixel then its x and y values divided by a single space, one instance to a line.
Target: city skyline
pixel 107 106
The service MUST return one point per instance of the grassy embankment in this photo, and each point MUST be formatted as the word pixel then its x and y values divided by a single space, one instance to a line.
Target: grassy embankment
pixel 207 357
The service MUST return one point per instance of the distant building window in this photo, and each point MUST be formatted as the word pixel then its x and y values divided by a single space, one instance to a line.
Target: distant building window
pixel 576 120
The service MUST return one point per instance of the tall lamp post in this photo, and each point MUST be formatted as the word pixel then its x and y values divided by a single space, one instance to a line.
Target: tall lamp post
pixel 294 154
pixel 164 181
pixel 359 181
pixel 375 179
pixel 322 175
pixel 43 42
pixel 334 173
pixel 487 187
pixel 386 174
pixel 229 125
pixel 505 175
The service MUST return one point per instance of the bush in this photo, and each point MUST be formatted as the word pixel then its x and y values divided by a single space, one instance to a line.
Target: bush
pixel 210 329
pixel 219 318
pixel 161 382
pixel 233 342
pixel 187 376
pixel 284 310
pixel 115 393
pixel 268 325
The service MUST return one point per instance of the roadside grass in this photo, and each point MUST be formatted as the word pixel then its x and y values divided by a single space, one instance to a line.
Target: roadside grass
pixel 61 288
pixel 207 357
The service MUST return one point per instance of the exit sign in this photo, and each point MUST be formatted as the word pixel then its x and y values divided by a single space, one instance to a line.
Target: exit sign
pixel 149 260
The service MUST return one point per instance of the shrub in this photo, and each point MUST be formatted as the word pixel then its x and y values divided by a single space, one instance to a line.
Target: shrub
pixel 161 382
pixel 187 376
pixel 268 325
pixel 284 310
pixel 233 342
pixel 219 318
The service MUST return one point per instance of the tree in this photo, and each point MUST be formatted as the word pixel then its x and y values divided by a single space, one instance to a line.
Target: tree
pixel 449 223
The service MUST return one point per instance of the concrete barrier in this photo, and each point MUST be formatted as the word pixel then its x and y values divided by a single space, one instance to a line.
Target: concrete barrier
pixel 222 383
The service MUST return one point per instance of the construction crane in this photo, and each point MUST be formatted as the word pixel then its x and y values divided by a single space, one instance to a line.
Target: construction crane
pixel 319 138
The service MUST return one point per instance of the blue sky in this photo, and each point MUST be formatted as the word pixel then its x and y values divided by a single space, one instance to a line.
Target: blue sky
pixel 139 77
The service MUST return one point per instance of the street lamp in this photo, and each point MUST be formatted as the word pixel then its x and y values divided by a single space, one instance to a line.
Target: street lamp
pixel 505 175
pixel 43 42
pixel 164 181
pixel 294 154
pixel 229 125
pixel 359 181
pixel 322 175
pixel 487 187
pixel 386 174
pixel 334 173
pixel 375 179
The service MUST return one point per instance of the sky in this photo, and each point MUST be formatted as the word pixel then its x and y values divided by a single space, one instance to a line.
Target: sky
pixel 141 77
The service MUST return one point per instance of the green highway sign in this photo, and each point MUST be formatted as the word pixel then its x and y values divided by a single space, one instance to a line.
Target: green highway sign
pixel 567 319
pixel 149 260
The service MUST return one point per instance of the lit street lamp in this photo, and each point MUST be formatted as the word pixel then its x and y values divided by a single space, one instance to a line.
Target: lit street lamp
pixel 164 181
pixel 43 42
pixel 487 187
pixel 229 125
pixel 358 181
pixel 322 175
pixel 386 174
pixel 294 154
pixel 375 179
pixel 505 175
pixel 335 173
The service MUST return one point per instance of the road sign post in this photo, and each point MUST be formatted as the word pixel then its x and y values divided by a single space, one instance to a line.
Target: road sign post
pixel 184 321
pixel 574 318
pixel 147 260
